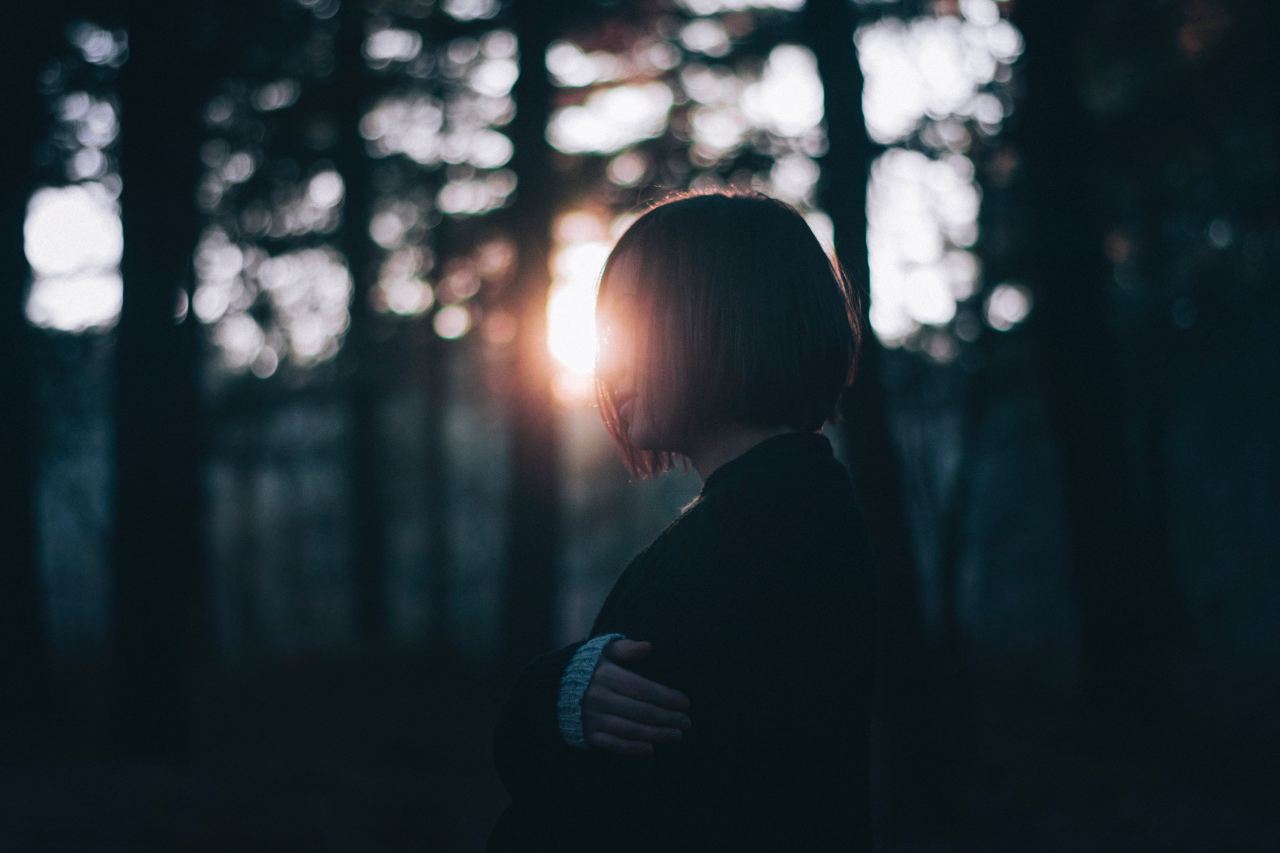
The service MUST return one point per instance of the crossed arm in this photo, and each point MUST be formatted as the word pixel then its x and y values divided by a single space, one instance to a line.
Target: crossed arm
pixel 599 703
pixel 603 704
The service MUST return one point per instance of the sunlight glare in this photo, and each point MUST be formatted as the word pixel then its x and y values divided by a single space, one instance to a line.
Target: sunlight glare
pixel 581 248
pixel 787 98
pixel 611 119
pixel 920 212
pixel 571 305
pixel 75 303
pixel 73 240
pixel 932 67
pixel 72 228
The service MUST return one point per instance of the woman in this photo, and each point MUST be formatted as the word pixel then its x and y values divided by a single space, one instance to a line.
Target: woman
pixel 722 700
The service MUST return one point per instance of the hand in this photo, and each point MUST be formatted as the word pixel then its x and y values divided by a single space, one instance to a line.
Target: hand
pixel 625 712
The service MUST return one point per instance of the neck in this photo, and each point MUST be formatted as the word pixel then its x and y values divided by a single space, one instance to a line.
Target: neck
pixel 712 450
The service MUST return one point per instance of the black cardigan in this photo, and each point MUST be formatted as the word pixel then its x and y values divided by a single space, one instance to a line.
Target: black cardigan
pixel 758 602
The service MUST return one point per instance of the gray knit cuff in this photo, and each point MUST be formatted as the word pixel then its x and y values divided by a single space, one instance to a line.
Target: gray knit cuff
pixel 573 686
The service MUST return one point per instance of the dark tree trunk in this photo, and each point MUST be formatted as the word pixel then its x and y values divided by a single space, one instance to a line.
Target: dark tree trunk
pixel 368 547
pixel 435 362
pixel 1126 593
pixel 25 660
pixel 534 515
pixel 158 558
pixel 909 739
pixel 434 359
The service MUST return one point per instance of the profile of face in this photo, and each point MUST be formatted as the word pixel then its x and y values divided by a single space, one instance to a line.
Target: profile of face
pixel 617 366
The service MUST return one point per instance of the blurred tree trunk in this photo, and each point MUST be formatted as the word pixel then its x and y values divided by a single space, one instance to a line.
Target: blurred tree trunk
pixel 911 747
pixel 1126 592
pixel 158 554
pixel 25 659
pixel 534 514
pixel 367 502
pixel 434 357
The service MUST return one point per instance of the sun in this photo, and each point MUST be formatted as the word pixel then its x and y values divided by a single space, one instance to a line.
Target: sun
pixel 571 326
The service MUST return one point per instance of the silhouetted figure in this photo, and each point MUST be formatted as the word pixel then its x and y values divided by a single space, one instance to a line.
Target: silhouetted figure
pixel 723 698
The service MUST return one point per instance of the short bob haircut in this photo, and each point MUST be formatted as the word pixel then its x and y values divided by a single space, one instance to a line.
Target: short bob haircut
pixel 741 317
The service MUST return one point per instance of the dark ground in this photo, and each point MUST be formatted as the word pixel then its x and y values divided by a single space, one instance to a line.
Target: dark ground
pixel 394 756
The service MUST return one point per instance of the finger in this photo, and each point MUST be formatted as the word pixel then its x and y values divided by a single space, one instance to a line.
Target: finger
pixel 610 702
pixel 631 730
pixel 612 743
pixel 627 650
pixel 628 683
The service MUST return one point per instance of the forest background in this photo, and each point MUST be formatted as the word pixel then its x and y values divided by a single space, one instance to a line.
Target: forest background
pixel 299 460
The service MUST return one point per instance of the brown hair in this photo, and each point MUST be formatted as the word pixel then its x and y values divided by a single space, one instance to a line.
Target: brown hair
pixel 742 319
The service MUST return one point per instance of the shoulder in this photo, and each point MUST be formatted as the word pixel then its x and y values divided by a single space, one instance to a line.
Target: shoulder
pixel 799 537
pixel 814 511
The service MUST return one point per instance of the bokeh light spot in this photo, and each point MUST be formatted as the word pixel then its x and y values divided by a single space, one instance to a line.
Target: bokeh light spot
pixel 72 228
pixel 471 10
pixel 612 119
pixel 1007 306
pixel 452 322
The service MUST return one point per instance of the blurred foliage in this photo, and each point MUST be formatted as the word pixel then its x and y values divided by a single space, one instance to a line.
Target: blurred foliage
pixel 652 96
pixel 1179 124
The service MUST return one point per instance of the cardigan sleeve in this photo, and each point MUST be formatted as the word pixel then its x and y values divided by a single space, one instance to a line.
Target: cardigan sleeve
pixel 573 686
